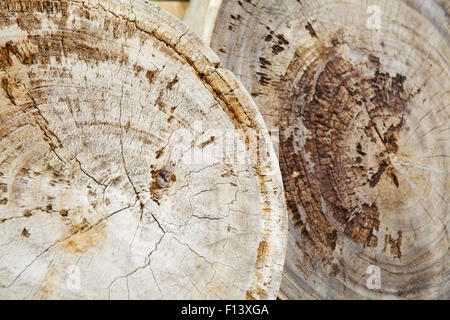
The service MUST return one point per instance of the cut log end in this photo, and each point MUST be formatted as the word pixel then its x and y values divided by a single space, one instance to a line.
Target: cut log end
pixel 358 94
pixel 104 109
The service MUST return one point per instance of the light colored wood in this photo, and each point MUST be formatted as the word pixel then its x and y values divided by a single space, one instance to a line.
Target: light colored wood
pixel 363 118
pixel 177 8
pixel 201 16
pixel 102 106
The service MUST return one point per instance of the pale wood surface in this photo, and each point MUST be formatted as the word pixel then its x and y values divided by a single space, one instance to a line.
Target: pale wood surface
pixel 363 115
pixel 98 196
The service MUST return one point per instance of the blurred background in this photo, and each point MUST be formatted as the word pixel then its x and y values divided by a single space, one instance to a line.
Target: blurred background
pixel 177 7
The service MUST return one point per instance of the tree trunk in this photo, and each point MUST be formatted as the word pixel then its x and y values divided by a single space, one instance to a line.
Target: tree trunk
pixel 359 92
pixel 126 166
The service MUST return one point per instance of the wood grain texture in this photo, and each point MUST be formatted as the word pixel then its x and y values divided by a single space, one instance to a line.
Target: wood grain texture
pixel 362 113
pixel 103 106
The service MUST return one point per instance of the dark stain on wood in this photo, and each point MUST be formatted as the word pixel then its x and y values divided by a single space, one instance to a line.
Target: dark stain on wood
pixel 281 40
pixel 172 82
pixel 276 49
pixel 376 177
pixel 25 233
pixel 27 213
pixel 263 62
pixel 395 245
pixel 263 78
pixel 21 51
pixel 209 141
pixel 149 75
pixel 159 152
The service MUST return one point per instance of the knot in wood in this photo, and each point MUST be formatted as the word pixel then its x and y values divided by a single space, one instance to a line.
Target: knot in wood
pixel 163 178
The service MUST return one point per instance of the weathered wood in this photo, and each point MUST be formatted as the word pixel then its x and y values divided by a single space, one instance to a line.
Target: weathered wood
pixel 362 112
pixel 105 107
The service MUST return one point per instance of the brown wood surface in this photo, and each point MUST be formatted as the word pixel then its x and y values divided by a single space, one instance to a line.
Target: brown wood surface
pixel 362 112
